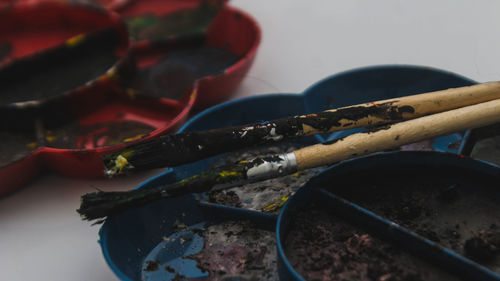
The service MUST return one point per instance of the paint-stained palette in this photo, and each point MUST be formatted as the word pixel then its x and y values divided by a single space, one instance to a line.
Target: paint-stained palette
pixel 76 92
pixel 155 234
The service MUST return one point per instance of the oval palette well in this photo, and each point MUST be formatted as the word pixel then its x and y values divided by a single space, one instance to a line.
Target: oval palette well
pixel 205 40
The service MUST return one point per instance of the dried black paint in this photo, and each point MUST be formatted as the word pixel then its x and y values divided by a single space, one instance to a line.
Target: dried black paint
pixel 53 72
pixel 326 120
pixel 176 73
pixel 5 50
pixel 47 75
pixel 97 135
pixel 178 149
pixel 15 147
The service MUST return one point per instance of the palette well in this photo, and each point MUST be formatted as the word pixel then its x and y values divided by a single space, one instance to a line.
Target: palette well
pixel 72 141
pixel 436 207
pixel 205 40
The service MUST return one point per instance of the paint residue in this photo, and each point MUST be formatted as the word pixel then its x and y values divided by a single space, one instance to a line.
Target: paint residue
pixel 439 203
pixel 15 147
pixel 238 250
pixel 51 73
pixel 74 135
pixel 178 25
pixel 321 246
pixel 267 196
pixel 174 74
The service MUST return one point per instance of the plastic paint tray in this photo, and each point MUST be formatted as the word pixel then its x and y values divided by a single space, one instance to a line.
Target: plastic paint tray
pixel 453 202
pixel 69 132
pixel 128 240
pixel 218 55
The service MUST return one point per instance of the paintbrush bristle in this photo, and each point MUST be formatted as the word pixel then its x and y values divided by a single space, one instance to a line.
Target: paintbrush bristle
pixel 103 204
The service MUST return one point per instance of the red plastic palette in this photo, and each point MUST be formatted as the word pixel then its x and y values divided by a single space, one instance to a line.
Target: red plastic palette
pixel 50 120
pixel 64 105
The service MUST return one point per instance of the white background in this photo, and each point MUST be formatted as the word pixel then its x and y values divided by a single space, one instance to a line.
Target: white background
pixel 43 238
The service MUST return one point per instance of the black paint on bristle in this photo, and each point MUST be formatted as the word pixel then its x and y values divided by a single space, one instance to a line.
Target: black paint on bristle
pixel 101 204
pixel 51 73
pixel 178 149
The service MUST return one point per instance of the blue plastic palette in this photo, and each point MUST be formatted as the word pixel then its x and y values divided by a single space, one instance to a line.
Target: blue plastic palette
pixel 143 244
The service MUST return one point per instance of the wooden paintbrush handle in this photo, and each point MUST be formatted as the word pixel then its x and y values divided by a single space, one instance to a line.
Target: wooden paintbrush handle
pixel 407 107
pixel 399 134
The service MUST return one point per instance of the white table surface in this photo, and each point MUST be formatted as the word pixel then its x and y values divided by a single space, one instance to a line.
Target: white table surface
pixel 43 238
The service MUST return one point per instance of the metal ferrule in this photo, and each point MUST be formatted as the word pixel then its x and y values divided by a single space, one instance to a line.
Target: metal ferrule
pixel 287 164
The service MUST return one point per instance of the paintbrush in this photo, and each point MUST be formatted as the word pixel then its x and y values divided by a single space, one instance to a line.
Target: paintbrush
pixel 177 149
pixel 103 204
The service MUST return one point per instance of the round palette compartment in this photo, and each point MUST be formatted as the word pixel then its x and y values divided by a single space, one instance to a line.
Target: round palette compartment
pixel 215 43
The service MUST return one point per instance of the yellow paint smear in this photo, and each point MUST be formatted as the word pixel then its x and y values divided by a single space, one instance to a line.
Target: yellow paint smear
pixel 112 74
pixel 225 174
pixel 75 40
pixel 32 145
pixel 134 138
pixel 121 162
pixel 131 93
pixel 274 206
